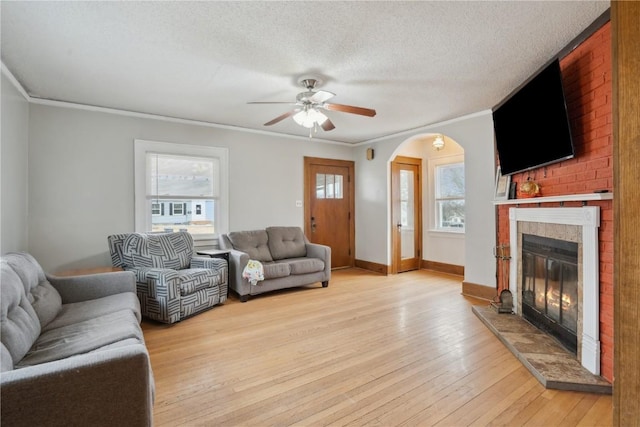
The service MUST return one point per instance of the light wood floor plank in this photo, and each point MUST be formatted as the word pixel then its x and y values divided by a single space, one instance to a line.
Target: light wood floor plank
pixel 368 350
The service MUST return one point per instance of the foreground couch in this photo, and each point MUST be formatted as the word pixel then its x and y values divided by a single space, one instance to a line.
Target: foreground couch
pixel 172 283
pixel 72 351
pixel 288 259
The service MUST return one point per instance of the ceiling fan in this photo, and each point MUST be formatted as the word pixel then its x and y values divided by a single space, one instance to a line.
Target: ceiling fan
pixel 308 104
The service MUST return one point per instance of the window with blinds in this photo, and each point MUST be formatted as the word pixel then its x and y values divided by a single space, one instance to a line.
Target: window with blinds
pixel 181 187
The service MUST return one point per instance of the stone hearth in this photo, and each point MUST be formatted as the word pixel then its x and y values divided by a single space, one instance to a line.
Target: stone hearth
pixel 546 359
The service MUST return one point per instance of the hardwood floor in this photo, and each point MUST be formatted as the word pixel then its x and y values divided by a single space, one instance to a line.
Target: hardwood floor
pixel 402 350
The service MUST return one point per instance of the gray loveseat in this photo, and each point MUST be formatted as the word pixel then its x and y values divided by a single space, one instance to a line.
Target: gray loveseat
pixel 287 256
pixel 72 349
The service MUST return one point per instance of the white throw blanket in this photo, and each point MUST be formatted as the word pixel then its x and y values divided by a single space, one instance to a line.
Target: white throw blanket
pixel 253 272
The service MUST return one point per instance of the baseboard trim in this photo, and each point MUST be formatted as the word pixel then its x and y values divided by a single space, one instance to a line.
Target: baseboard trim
pixel 372 266
pixel 442 267
pixel 478 291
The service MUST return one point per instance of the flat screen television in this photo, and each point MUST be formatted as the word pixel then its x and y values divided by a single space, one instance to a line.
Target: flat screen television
pixel 532 125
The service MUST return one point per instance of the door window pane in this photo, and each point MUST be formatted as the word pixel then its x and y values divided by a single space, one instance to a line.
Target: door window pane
pixel 329 186
pixel 320 186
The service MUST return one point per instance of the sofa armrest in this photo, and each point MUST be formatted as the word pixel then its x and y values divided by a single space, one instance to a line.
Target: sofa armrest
pixel 208 262
pixel 103 388
pixel 91 286
pixel 237 262
pixel 323 252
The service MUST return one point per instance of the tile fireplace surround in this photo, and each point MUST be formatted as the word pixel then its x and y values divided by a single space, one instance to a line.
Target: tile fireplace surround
pixel 575 224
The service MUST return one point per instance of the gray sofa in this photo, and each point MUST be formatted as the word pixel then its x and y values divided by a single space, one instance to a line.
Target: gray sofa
pixel 72 351
pixel 287 256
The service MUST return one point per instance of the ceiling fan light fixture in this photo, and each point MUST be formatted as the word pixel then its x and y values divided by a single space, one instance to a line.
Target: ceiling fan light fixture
pixel 438 143
pixel 309 118
pixel 306 112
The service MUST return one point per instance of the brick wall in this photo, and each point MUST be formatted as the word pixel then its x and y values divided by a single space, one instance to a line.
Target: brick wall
pixel 586 73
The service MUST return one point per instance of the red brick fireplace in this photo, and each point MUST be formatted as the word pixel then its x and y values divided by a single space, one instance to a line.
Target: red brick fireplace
pixel 588 89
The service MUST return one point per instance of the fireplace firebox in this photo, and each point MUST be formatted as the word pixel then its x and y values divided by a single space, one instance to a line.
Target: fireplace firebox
pixel 550 287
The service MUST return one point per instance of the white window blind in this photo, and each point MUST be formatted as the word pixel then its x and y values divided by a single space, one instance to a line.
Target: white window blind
pixel 181 187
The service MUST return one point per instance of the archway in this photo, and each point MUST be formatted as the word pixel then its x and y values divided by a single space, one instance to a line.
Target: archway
pixel 442 204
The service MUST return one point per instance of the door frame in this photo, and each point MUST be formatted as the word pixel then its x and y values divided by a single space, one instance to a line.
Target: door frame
pixel 395 242
pixel 308 179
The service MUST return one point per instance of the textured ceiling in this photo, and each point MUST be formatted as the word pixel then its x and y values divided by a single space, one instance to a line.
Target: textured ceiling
pixel 416 63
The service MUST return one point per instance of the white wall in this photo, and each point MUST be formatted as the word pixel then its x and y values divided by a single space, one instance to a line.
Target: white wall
pixel 81 178
pixel 14 148
pixel 474 134
pixel 67 182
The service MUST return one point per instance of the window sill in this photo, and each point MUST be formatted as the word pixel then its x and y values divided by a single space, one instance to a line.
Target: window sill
pixel 452 234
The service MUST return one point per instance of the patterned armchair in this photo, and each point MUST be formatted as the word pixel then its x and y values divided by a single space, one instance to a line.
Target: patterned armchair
pixel 171 283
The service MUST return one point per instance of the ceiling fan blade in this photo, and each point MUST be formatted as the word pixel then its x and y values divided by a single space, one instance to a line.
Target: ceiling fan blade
pixel 321 96
pixel 327 125
pixel 350 109
pixel 271 102
pixel 281 117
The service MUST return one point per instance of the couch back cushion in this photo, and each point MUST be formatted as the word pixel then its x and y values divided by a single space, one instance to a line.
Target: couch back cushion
pixel 43 297
pixel 28 303
pixel 253 242
pixel 286 242
pixel 171 250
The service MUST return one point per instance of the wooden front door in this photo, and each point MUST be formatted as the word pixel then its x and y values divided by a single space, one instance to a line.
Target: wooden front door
pixel 329 207
pixel 406 214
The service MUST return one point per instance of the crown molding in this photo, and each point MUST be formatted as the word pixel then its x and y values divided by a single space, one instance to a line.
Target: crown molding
pixel 15 82
pixel 431 128
pixel 93 108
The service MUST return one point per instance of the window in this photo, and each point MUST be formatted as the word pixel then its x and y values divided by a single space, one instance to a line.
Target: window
pixel 178 209
pixel 171 178
pixel 449 196
pixel 329 186
pixel 406 200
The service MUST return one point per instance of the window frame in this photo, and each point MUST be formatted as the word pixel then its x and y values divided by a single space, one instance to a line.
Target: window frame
pixel 142 205
pixel 159 209
pixel 433 199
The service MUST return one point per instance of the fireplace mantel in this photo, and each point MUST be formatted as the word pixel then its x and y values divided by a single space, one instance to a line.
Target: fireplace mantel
pixel 552 199
pixel 588 218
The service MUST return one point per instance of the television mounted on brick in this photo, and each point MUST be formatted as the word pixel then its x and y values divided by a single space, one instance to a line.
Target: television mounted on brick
pixel 532 125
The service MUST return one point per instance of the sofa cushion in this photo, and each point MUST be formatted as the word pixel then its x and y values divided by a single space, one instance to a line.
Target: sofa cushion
pixel 83 337
pixel 85 310
pixel 303 265
pixel 286 242
pixel 43 297
pixel 19 324
pixel 253 242
pixel 172 250
pixel 6 362
pixel 195 279
pixel 273 270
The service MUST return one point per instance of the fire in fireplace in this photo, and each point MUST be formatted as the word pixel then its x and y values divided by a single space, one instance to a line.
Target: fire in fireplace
pixel 550 287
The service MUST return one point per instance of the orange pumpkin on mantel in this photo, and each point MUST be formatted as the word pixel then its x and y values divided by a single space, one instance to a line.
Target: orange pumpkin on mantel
pixel 529 189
